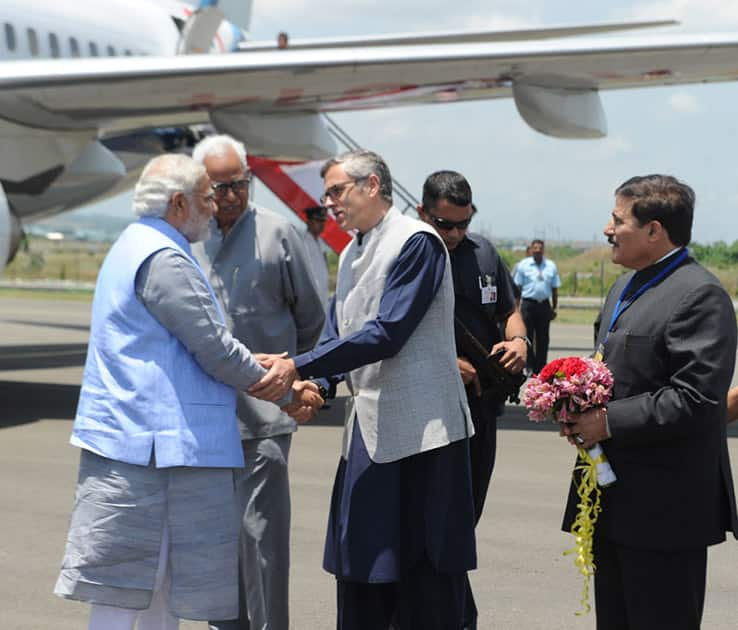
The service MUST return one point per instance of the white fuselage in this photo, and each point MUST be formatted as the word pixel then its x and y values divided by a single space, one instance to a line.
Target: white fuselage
pixel 44 170
pixel 87 29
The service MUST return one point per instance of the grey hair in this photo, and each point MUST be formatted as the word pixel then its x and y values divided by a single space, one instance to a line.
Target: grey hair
pixel 163 176
pixel 219 146
pixel 360 164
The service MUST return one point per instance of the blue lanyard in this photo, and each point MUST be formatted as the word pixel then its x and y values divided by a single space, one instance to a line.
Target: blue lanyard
pixel 620 306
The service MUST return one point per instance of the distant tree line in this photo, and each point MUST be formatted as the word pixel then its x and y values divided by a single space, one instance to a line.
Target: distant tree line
pixel 720 254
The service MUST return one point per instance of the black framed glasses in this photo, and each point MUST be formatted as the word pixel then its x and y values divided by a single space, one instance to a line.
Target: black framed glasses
pixel 220 189
pixel 446 225
pixel 335 192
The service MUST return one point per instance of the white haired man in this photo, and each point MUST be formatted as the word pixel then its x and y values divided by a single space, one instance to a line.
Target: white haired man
pixel 154 532
pixel 401 528
pixel 257 264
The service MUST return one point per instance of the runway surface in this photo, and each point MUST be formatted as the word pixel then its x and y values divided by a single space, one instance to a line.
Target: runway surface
pixel 523 581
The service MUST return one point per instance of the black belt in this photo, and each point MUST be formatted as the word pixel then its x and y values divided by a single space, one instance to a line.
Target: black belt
pixel 535 301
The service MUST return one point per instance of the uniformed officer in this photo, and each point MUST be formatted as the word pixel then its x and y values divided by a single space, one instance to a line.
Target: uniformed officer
pixel 485 307
pixel 484 299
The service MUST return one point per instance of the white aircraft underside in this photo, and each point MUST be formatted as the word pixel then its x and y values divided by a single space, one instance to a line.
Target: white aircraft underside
pixel 79 127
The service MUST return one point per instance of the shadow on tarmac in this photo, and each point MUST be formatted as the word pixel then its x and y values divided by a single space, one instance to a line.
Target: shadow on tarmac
pixel 25 322
pixel 22 403
pixel 54 355
pixel 514 419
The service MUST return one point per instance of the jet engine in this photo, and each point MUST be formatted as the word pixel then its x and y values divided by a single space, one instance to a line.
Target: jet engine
pixel 11 232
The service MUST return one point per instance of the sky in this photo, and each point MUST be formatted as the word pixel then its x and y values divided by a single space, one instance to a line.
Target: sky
pixel 525 184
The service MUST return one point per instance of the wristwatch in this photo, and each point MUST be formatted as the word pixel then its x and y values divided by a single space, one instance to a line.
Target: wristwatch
pixel 524 338
pixel 324 393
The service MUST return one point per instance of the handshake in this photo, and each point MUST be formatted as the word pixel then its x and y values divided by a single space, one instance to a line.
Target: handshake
pixel 279 380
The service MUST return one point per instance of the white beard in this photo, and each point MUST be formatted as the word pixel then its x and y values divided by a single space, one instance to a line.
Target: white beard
pixel 196 228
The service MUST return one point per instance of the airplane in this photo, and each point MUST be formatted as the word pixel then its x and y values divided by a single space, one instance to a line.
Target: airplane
pixel 88 94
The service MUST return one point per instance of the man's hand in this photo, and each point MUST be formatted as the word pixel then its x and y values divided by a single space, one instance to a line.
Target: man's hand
pixel 553 314
pixel 586 429
pixel 469 375
pixel 733 404
pixel 306 401
pixel 277 381
pixel 516 353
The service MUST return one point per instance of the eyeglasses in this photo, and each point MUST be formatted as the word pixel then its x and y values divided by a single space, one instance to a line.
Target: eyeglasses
pixel 335 192
pixel 446 225
pixel 220 189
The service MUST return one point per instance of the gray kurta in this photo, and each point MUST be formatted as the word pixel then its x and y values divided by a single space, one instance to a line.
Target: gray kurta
pixel 262 277
pixel 112 552
pixel 318 265
pixel 114 539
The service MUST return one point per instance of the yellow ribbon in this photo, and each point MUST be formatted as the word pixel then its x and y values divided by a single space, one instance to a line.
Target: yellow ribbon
pixel 584 524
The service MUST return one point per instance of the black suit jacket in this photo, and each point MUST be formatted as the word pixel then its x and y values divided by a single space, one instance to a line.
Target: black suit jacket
pixel 672 354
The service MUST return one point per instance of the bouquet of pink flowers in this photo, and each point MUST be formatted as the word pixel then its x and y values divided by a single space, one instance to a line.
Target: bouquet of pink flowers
pixel 564 387
pixel 571 385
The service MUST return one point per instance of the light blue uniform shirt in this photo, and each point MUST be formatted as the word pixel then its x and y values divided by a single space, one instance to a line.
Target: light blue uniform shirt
pixel 537 282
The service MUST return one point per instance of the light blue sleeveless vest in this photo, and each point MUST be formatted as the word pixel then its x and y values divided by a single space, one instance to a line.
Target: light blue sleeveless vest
pixel 142 389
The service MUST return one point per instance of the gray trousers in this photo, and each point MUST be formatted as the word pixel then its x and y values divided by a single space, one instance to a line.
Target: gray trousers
pixel 263 495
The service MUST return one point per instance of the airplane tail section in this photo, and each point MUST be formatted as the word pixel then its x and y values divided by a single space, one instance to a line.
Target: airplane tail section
pixel 299 186
pixel 237 12
pixel 217 26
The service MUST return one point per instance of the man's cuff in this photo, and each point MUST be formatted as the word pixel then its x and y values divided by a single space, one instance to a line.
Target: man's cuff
pixel 302 360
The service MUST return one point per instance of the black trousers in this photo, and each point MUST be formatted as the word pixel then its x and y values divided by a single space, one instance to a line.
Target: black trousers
pixel 422 600
pixel 537 318
pixel 482 453
pixel 482 448
pixel 637 589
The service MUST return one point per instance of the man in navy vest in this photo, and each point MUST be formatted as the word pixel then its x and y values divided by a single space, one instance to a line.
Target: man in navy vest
pixel 401 527
pixel 154 531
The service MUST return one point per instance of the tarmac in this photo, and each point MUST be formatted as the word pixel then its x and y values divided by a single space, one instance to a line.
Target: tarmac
pixel 524 582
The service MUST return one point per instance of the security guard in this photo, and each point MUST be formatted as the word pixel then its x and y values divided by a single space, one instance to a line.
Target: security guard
pixel 485 303
pixel 485 307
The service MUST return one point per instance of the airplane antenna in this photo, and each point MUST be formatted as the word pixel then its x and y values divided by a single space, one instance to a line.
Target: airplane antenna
pixel 341 135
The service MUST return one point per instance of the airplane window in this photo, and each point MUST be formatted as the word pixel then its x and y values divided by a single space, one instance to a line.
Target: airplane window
pixel 9 36
pixel 54 44
pixel 93 49
pixel 74 47
pixel 111 51
pixel 32 41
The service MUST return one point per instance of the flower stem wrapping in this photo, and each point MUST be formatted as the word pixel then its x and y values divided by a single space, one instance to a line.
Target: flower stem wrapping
pixel 588 510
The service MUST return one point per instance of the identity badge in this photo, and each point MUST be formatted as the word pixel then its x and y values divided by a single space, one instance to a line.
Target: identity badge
pixel 489 294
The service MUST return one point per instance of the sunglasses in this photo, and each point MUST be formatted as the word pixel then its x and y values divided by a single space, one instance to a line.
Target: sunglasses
pixel 446 225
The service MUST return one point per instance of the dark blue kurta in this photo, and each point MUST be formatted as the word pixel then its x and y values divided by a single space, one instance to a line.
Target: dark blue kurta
pixel 385 517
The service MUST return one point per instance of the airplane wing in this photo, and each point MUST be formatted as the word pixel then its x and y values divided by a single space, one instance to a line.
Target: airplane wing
pixel 455 37
pixel 266 95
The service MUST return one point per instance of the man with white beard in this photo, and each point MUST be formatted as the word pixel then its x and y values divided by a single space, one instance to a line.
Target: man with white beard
pixel 154 531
